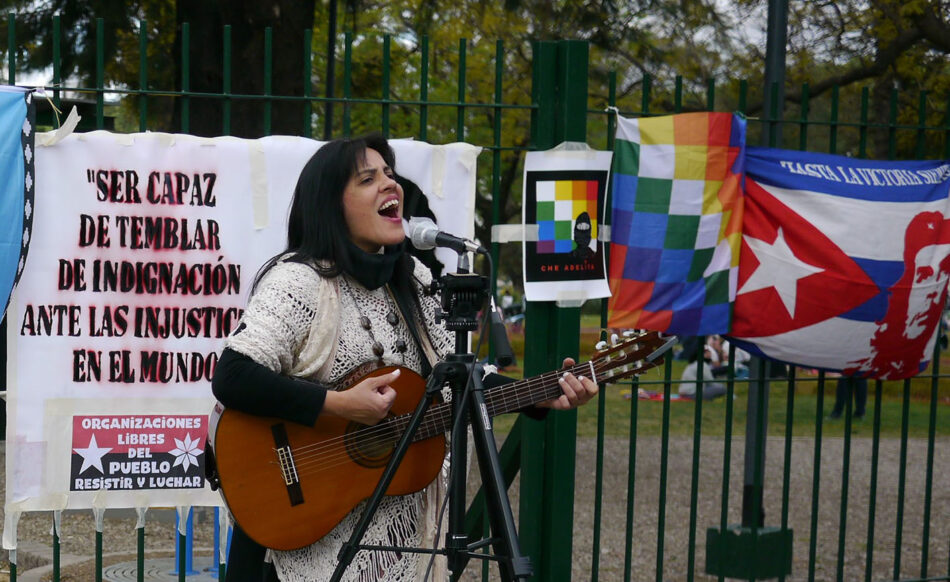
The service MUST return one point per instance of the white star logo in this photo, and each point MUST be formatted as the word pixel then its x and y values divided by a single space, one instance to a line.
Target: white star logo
pixel 92 455
pixel 779 268
pixel 186 452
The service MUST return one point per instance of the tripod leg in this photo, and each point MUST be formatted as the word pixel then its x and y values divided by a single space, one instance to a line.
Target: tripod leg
pixel 513 565
pixel 350 547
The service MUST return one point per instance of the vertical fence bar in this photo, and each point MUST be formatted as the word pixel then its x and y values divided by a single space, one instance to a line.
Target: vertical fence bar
pixel 694 477
pixel 845 467
pixel 347 81
pixel 611 121
pixel 226 81
pixel 57 60
pixel 385 106
pixel 599 462
pixel 816 477
pixel 664 463
pixel 98 556
pixel 100 72
pixel 678 94
pixel 495 191
pixel 946 154
pixel 787 470
pixel 632 468
pixel 602 396
pixel 773 119
pixel 645 101
pixel 268 77
pixel 182 555
pixel 710 94
pixel 931 437
pixel 185 76
pixel 833 121
pixel 920 151
pixel 143 75
pixel 863 128
pixel 308 86
pixel 758 473
pixel 872 493
pixel 460 111
pixel 901 480
pixel 803 123
pixel 496 111
pixel 330 80
pixel 743 94
pixel 727 456
pixel 424 88
pixel 56 547
pixel 11 48
pixel 892 126
pixel 140 553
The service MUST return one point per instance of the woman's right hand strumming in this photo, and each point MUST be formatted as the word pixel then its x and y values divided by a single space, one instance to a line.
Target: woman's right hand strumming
pixel 367 402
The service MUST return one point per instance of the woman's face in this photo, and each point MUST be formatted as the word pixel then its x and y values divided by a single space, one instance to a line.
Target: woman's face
pixel 372 205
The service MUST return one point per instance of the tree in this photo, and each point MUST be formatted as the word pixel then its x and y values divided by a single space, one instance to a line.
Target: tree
pixel 835 46
pixel 248 19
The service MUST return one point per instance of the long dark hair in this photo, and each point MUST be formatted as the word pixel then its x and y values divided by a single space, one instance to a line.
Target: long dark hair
pixel 316 228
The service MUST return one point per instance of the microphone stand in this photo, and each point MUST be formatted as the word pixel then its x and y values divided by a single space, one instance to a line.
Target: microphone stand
pixel 462 295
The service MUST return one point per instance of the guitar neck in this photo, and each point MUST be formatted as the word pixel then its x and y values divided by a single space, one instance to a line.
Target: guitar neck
pixel 499 400
pixel 630 357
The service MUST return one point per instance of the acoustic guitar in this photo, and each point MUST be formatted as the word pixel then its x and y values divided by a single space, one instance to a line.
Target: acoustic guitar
pixel 287 485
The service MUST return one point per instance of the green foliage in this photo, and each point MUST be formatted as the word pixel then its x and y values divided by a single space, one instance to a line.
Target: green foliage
pixel 883 61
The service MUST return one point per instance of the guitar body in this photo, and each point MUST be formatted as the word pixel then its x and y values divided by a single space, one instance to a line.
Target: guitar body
pixel 288 485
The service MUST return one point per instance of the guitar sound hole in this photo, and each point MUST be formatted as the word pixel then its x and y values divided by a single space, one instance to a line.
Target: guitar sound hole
pixel 370 446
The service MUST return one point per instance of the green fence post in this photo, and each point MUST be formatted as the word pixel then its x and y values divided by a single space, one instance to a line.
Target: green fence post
pixel 11 48
pixel 551 333
pixel 143 75
pixel 185 77
pixel 100 73
pixel 226 81
pixel 536 323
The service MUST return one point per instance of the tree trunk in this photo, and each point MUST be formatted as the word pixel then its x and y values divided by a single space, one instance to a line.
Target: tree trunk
pixel 288 19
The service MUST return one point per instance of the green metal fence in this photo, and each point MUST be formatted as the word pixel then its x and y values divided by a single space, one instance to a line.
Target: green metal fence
pixel 676 462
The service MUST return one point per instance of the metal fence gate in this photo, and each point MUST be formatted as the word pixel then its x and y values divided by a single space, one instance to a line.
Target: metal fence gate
pixel 677 462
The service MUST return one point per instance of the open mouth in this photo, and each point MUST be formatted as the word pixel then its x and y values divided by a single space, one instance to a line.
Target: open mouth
pixel 390 208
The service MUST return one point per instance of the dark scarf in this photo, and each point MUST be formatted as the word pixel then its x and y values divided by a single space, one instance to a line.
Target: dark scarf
pixel 372 270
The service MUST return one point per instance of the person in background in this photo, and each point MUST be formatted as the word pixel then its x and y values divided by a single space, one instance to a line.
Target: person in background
pixel 688 380
pixel 845 386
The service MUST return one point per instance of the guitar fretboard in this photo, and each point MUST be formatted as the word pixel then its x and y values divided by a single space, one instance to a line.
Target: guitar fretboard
pixel 499 400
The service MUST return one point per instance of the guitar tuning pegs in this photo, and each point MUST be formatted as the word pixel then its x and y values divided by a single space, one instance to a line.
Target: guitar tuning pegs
pixel 629 333
pixel 601 346
pixel 614 339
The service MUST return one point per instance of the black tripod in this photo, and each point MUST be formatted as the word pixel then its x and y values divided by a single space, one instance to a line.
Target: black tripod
pixel 462 295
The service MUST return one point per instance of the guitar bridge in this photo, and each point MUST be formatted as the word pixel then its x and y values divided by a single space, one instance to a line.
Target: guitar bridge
pixel 288 468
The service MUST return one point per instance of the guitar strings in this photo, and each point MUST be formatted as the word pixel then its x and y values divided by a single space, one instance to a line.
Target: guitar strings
pixel 317 457
pixel 308 455
pixel 321 462
pixel 331 453
pixel 521 397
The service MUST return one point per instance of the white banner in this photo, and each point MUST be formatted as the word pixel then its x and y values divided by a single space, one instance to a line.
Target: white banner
pixel 143 251
pixel 564 203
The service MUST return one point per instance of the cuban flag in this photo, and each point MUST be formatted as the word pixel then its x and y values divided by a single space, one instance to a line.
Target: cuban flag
pixel 844 263
pixel 17 120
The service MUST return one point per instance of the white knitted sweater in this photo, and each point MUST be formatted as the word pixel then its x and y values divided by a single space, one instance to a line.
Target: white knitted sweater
pixel 301 324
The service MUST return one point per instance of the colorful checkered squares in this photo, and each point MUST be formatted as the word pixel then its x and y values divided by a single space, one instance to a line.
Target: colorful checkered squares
pixel 559 203
pixel 676 220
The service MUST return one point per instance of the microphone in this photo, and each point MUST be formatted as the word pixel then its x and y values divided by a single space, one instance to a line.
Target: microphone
pixel 425 235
